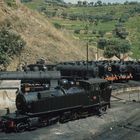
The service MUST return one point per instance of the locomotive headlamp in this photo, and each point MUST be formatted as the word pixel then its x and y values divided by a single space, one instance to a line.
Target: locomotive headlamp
pixel 94 97
pixel 64 81
pixel 109 69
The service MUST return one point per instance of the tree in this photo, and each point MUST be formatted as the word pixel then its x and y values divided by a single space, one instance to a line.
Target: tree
pixel 99 3
pixel 77 31
pixel 101 33
pixel 116 47
pixel 85 3
pixel 26 0
pixel 73 17
pixel 124 17
pixel 79 3
pixel 109 51
pixel 57 25
pixel 91 3
pixel 102 42
pixel 11 3
pixel 126 3
pixel 107 17
pixel 64 15
pixel 120 31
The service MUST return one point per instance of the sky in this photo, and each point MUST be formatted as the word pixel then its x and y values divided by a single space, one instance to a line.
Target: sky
pixel 112 1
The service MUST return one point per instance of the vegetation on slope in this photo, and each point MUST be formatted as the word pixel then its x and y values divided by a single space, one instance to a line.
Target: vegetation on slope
pixel 42 39
pixel 92 22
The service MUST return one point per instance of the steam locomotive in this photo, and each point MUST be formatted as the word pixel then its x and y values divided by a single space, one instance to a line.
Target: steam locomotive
pixel 113 71
pixel 53 99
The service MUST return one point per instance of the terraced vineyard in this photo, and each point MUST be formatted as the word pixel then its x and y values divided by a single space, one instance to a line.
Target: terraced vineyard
pixel 90 23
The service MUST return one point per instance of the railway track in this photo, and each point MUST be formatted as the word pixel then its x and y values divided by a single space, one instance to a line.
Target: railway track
pixel 127 129
pixel 132 123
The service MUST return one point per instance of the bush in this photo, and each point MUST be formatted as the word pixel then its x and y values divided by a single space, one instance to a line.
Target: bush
pixel 116 47
pixel 77 31
pixel 10 44
pixel 57 25
pixel 26 0
pixel 101 33
pixel 94 31
pixel 120 31
pixel 11 3
pixel 102 43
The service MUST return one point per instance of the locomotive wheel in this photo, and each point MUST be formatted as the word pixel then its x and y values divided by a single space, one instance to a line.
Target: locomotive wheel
pixel 75 116
pixel 102 109
pixel 62 119
pixel 21 127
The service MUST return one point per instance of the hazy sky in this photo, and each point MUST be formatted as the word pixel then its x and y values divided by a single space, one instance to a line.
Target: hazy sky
pixel 112 1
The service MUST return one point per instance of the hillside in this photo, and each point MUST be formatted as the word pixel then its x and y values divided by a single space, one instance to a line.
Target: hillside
pixel 88 22
pixel 43 40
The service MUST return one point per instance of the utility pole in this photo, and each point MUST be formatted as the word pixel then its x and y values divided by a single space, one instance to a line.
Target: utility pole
pixel 87 55
pixel 87 59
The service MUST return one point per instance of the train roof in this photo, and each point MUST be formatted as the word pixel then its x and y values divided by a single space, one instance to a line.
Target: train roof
pixel 94 81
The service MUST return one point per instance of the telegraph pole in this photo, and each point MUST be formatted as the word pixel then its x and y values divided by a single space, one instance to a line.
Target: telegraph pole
pixel 87 57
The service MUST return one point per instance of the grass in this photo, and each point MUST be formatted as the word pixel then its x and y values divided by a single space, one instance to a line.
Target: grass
pixel 35 4
pixel 134 35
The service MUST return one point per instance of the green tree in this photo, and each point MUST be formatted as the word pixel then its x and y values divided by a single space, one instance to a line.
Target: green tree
pixel 99 3
pixel 116 47
pixel 57 25
pixel 102 42
pixel 101 33
pixel 77 31
pixel 120 31
pixel 11 3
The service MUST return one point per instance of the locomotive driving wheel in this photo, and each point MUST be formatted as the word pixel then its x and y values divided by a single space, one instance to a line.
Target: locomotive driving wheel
pixel 21 127
pixel 102 109
pixel 75 116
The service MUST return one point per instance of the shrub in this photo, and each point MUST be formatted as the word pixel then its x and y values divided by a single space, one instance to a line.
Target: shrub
pixel 11 3
pixel 10 44
pixel 77 31
pixel 116 47
pixel 57 25
pixel 102 43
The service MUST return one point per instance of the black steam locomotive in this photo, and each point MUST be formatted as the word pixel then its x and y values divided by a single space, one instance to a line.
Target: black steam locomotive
pixel 55 102
pixel 113 71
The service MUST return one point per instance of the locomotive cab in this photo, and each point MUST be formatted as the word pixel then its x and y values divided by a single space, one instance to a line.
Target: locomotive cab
pixel 99 90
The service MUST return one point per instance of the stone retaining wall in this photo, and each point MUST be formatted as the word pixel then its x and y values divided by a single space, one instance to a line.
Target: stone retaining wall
pixel 126 89
pixel 7 98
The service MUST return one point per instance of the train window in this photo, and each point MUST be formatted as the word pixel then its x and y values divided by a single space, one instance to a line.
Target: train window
pixel 74 90
pixel 95 87
pixel 84 85
pixel 102 86
pixel 57 93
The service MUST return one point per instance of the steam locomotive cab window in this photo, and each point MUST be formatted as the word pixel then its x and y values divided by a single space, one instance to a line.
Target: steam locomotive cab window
pixel 103 86
pixel 57 92
pixel 95 87
pixel 84 85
